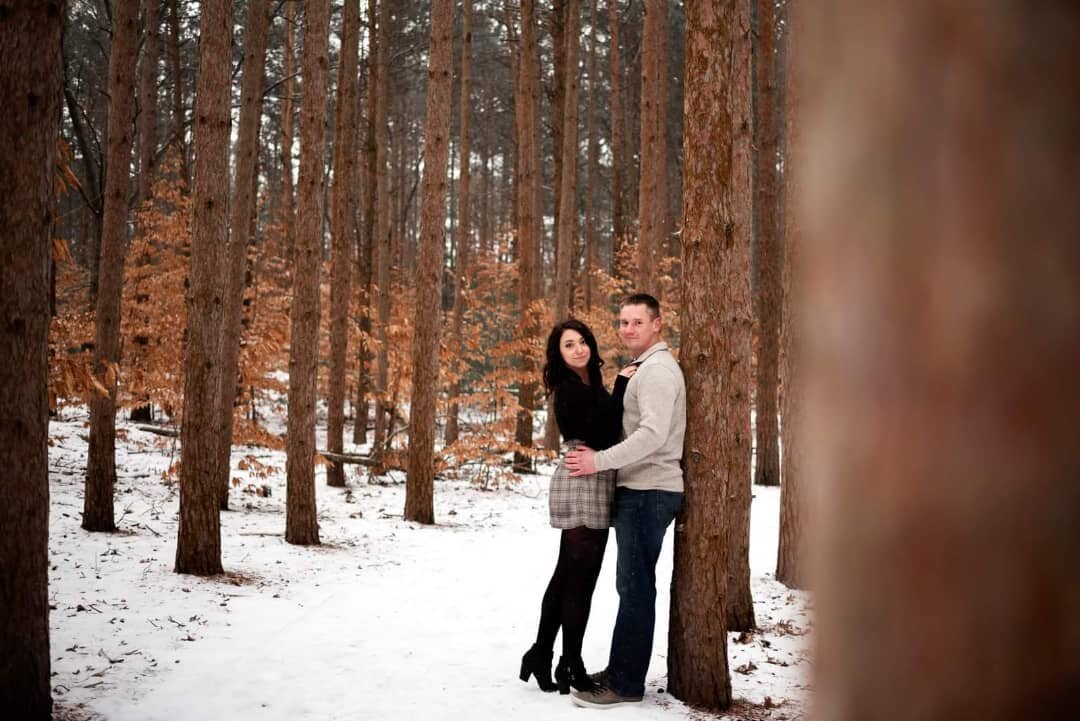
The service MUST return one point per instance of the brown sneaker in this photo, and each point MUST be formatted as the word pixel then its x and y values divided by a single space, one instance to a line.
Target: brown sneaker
pixel 599 678
pixel 602 697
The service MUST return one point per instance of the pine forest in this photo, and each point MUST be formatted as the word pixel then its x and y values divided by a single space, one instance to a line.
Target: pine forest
pixel 307 306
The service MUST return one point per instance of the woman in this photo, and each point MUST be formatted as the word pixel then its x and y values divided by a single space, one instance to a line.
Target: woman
pixel 581 507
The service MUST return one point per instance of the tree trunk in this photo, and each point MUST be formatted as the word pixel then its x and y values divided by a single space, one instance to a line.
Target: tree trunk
pixel 791 556
pixel 244 195
pixel 419 490
pixel 343 233
pixel 464 241
pixel 592 164
pixel 940 373
pixel 30 53
pixel 366 274
pixel 176 131
pixel 737 314
pixel 558 31
pixel 716 346
pixel 101 460
pixel 652 191
pixel 618 209
pixel 567 212
pixel 148 77
pixel 769 296
pixel 288 111
pixel 301 522
pixel 198 547
pixel 383 246
pixel 527 192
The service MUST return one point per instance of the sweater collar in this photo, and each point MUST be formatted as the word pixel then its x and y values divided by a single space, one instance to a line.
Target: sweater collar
pixel 652 350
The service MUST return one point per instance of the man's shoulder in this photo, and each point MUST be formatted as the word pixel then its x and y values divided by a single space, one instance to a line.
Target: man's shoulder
pixel 661 366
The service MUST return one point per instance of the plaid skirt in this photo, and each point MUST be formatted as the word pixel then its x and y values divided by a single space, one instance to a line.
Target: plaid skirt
pixel 581 501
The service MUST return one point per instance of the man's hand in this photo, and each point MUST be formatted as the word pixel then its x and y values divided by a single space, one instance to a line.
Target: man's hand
pixel 581 461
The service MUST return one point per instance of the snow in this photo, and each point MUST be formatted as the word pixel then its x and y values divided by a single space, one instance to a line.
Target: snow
pixel 386 620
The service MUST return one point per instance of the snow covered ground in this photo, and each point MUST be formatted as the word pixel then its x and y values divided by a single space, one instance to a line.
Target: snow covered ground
pixel 386 620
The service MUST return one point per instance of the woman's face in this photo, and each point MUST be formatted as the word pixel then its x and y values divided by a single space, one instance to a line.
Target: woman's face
pixel 575 351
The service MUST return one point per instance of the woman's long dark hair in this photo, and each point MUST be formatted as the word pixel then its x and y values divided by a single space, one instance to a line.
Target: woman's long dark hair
pixel 556 372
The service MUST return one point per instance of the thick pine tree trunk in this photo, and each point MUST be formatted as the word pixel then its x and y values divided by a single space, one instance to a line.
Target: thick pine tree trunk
pixel 769 296
pixel 419 489
pixel 31 84
pixel 301 522
pixel 941 387
pixel 464 240
pixel 148 77
pixel 528 222
pixel 101 460
pixel 383 245
pixel 198 547
pixel 244 195
pixel 652 190
pixel 343 215
pixel 735 310
pixel 791 557
pixel 715 352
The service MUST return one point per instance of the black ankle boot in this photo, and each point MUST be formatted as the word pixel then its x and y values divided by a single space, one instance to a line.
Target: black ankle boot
pixel 538 664
pixel 571 672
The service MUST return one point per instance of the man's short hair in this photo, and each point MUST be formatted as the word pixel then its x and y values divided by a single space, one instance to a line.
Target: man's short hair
pixel 643 299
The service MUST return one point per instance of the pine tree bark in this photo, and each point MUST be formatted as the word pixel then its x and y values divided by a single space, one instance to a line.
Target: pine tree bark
pixel 343 233
pixel 244 194
pixel 383 244
pixel 737 314
pixel 592 165
pixel 652 190
pixel 148 77
pixel 769 296
pixel 464 240
pixel 527 208
pixel 366 278
pixel 419 489
pixel 567 211
pixel 288 111
pixel 101 459
pixel 941 391
pixel 198 547
pixel 715 353
pixel 31 84
pixel 301 522
pixel 618 208
pixel 557 30
pixel 790 559
pixel 176 71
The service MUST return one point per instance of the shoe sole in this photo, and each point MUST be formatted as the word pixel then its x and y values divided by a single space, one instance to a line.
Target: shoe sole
pixel 578 701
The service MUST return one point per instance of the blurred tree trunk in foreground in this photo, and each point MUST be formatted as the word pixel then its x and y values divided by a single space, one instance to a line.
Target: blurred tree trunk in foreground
pixel 31 85
pixel 941 386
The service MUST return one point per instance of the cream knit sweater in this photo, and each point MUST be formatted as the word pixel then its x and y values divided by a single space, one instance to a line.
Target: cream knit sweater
pixel 654 424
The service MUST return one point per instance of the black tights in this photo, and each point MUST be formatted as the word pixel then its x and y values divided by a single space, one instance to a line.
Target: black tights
pixel 569 593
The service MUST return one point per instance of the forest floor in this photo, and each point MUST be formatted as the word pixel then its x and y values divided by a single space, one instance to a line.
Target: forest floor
pixel 387 619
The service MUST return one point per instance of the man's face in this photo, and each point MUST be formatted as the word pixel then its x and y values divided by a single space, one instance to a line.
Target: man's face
pixel 638 330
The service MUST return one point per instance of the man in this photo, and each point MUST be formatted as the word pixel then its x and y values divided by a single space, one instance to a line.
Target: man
pixel 648 495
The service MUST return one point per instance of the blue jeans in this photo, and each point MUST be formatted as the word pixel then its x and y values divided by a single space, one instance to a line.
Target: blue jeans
pixel 641 520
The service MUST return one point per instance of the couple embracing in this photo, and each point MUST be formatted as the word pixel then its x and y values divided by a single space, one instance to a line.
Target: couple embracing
pixel 622 468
